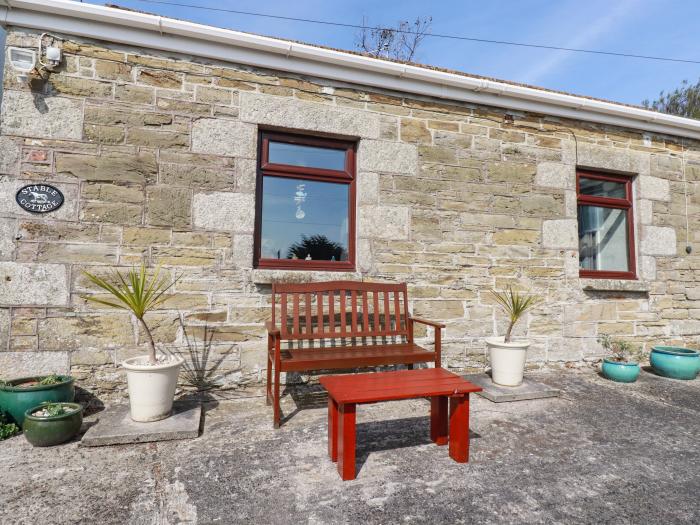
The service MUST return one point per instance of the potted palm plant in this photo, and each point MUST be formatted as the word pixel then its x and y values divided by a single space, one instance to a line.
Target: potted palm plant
pixel 506 355
pixel 152 379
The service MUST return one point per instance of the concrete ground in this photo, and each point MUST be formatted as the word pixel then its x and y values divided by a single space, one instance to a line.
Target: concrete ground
pixel 602 453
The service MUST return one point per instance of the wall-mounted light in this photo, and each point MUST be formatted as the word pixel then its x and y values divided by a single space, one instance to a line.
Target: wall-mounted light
pixel 23 60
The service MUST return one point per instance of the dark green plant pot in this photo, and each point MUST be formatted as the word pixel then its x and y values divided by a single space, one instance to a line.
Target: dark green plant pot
pixel 50 431
pixel 16 401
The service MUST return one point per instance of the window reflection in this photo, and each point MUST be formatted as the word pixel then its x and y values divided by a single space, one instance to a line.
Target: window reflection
pixel 602 188
pixel 603 238
pixel 306 156
pixel 304 219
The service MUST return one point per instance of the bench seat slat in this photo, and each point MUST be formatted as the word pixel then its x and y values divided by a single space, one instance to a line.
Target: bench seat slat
pixel 354 356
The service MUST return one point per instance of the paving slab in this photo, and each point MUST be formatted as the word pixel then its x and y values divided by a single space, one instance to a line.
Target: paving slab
pixel 114 426
pixel 601 452
pixel 529 389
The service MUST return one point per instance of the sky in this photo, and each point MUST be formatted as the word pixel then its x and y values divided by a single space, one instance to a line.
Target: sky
pixel 647 27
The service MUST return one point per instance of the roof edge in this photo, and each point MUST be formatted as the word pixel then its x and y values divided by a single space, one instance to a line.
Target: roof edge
pixel 167 34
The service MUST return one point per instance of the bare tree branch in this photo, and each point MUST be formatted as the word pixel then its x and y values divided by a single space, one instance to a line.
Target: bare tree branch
pixel 399 43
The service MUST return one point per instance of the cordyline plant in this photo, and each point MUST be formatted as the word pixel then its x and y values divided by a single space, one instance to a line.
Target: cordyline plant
pixel 135 292
pixel 514 304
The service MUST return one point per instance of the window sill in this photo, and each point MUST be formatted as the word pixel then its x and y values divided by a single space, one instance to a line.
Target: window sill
pixel 615 285
pixel 267 276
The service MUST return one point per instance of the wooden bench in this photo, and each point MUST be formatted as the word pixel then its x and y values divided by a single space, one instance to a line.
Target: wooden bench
pixel 340 325
pixel 345 392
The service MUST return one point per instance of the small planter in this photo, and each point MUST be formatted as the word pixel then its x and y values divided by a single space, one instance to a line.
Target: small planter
pixel 47 431
pixel 507 360
pixel 19 395
pixel 151 387
pixel 620 371
pixel 675 362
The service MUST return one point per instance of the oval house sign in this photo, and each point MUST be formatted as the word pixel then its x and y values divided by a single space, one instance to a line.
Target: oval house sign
pixel 39 198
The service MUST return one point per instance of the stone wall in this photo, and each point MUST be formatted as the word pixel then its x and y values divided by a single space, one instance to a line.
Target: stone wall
pixel 452 198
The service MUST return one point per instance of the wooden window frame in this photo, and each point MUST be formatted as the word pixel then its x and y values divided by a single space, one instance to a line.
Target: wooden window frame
pixel 345 176
pixel 627 204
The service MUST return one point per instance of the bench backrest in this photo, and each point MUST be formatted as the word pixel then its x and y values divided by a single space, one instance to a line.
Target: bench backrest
pixel 340 310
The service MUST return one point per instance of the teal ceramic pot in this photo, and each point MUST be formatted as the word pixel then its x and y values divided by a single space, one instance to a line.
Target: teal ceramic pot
pixel 50 431
pixel 675 362
pixel 15 400
pixel 622 372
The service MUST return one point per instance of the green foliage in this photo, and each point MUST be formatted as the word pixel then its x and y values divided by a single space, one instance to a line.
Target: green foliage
pixel 619 349
pixel 7 430
pixel 683 101
pixel 52 379
pixel 135 292
pixel 52 409
pixel 319 247
pixel 515 305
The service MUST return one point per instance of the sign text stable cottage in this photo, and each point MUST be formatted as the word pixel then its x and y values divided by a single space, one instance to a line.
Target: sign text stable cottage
pixel 236 161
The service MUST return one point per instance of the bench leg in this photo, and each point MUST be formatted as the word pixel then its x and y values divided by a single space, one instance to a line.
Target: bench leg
pixel 346 441
pixel 438 419
pixel 459 428
pixel 268 399
pixel 332 429
pixel 276 399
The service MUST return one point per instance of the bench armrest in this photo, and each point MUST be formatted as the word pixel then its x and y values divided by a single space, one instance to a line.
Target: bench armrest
pixel 272 329
pixel 429 323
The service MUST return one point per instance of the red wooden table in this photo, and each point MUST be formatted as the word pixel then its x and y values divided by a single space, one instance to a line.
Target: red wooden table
pixel 347 391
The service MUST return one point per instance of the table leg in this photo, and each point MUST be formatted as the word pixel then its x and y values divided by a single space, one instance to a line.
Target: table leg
pixel 332 429
pixel 346 440
pixel 438 419
pixel 459 428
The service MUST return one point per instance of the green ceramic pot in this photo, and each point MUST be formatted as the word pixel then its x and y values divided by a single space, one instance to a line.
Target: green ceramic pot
pixel 50 431
pixel 15 400
pixel 675 362
pixel 620 371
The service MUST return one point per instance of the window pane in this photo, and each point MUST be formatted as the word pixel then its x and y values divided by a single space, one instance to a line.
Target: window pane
pixel 602 188
pixel 602 239
pixel 304 219
pixel 307 156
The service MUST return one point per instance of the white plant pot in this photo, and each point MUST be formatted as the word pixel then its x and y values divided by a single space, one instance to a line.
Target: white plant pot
pixel 507 360
pixel 151 387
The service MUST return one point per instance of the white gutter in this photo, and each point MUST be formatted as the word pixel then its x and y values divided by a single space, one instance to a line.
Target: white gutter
pixel 165 34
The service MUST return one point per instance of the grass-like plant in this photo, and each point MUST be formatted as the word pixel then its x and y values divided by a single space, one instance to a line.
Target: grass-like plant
pixel 136 292
pixel 515 305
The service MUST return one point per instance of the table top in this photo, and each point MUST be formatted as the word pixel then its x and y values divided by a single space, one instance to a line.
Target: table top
pixel 402 384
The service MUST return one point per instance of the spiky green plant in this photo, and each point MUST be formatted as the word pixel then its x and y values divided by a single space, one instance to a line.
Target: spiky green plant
pixel 135 292
pixel 515 305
